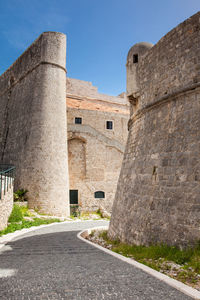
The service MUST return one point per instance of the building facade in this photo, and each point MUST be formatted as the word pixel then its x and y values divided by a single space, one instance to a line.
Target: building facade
pixel 97 133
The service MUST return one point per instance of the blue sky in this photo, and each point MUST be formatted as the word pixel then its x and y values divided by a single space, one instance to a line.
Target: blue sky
pixel 99 32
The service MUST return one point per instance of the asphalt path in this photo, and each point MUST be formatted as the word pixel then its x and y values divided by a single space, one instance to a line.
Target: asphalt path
pixel 52 263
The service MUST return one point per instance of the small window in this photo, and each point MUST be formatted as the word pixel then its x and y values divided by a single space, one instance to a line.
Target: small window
pixel 135 58
pixel 73 196
pixel 78 120
pixel 99 194
pixel 109 125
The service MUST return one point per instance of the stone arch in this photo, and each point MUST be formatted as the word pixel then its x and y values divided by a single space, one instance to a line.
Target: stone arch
pixel 77 158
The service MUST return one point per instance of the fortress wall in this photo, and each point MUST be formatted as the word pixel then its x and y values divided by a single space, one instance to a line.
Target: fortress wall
pixel 173 63
pixel 81 88
pixel 33 123
pixel 86 89
pixel 157 198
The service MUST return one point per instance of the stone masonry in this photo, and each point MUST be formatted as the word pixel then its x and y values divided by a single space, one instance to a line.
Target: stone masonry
pixel 6 205
pixel 95 153
pixel 33 123
pixel 158 193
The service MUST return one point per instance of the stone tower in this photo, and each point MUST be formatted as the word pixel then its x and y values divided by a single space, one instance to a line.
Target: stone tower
pixel 33 123
pixel 158 193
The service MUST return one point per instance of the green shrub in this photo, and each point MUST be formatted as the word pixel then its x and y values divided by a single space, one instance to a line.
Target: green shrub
pixel 25 211
pixel 20 195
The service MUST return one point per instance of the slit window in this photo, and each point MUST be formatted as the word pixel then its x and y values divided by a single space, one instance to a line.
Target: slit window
pixel 135 58
pixel 99 194
pixel 109 125
pixel 78 120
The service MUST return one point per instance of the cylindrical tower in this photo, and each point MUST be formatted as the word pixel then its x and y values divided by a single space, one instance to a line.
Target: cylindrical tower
pixel 34 137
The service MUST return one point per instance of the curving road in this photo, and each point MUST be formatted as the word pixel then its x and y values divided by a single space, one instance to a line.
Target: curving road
pixel 52 263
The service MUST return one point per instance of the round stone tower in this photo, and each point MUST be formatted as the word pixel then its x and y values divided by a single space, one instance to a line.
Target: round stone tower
pixel 33 131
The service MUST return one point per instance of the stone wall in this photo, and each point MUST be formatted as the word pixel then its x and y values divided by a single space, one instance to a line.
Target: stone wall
pixel 33 123
pixel 95 153
pixel 157 198
pixel 97 120
pixel 6 205
pixel 170 65
pixel 86 89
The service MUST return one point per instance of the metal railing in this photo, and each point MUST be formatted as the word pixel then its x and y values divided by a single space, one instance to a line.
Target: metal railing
pixel 7 173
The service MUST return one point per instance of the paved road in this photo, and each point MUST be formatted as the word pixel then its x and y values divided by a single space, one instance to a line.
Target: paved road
pixel 52 263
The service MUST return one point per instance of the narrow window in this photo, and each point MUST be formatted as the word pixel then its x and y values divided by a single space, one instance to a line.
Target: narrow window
pixel 109 125
pixel 99 194
pixel 73 196
pixel 135 58
pixel 78 120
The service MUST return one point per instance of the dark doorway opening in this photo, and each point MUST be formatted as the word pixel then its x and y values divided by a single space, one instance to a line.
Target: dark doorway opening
pixel 73 196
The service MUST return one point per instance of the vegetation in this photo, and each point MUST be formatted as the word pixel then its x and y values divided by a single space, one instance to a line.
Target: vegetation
pixel 181 264
pixel 27 224
pixel 18 221
pixel 75 211
pixel 20 195
pixel 85 215
pixel 16 214
pixel 99 213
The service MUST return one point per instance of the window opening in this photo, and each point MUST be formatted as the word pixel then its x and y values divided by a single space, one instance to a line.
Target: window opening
pixel 73 196
pixel 135 58
pixel 99 194
pixel 78 120
pixel 109 125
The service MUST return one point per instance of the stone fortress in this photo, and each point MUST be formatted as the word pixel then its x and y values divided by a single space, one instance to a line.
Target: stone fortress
pixel 97 133
pixel 33 131
pixel 158 193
